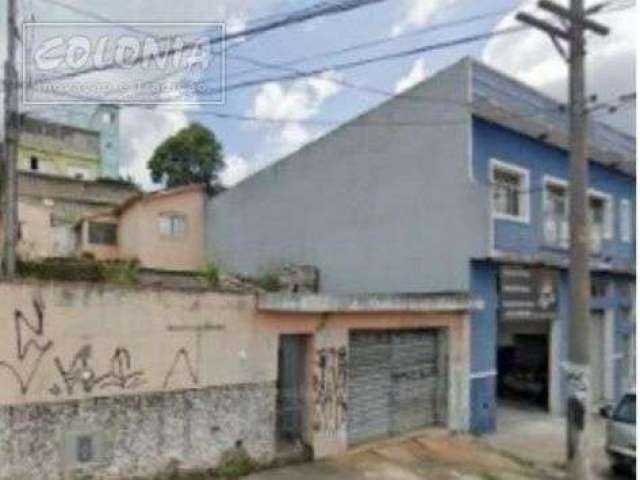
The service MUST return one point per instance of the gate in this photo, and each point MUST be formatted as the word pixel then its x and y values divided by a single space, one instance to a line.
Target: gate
pixel 291 397
pixel 397 382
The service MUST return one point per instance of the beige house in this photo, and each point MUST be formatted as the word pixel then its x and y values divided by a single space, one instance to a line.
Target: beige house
pixel 49 206
pixel 162 230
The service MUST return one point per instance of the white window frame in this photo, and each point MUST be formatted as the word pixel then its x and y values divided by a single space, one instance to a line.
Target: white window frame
pixel 525 215
pixel 548 180
pixel 608 211
pixel 170 216
pixel 626 221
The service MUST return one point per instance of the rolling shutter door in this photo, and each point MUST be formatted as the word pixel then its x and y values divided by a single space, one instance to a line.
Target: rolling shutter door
pixel 397 381
pixel 369 384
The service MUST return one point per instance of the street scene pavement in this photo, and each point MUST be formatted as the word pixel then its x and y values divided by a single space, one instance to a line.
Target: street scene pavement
pixel 423 456
pixel 529 445
pixel 540 438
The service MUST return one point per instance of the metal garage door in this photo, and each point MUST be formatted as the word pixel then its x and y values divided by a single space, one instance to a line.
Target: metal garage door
pixel 397 382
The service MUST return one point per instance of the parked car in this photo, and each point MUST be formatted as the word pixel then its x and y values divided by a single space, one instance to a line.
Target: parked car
pixel 621 433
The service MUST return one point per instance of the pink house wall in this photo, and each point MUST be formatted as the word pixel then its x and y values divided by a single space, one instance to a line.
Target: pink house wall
pixel 139 234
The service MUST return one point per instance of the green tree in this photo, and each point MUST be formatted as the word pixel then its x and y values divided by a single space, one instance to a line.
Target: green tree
pixel 193 155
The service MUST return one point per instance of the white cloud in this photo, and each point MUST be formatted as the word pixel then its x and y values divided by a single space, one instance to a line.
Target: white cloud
pixel 300 101
pixel 417 13
pixel 531 57
pixel 417 74
pixel 142 131
pixel 237 169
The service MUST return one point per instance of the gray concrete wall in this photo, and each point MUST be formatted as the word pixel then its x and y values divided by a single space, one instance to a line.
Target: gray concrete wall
pixel 139 435
pixel 377 208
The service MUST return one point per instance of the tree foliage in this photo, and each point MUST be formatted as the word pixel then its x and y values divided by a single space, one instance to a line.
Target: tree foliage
pixel 193 155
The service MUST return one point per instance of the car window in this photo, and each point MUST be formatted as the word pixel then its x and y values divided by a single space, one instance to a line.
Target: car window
pixel 626 411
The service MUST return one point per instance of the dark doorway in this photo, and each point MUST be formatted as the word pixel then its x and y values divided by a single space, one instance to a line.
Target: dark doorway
pixel 523 370
pixel 292 388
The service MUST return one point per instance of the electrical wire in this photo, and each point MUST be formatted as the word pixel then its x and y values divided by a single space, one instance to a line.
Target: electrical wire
pixel 322 10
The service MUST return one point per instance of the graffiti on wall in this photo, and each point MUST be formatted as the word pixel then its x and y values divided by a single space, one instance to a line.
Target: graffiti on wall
pixel 181 363
pixel 329 388
pixel 31 346
pixel 81 372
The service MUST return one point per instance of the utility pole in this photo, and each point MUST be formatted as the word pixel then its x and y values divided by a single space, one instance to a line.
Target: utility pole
pixel 11 129
pixel 574 22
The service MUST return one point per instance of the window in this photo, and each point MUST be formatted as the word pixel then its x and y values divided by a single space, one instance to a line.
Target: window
pixel 35 164
pixel 173 225
pixel 601 219
pixel 596 216
pixel 625 220
pixel 510 195
pixel 626 290
pixel 599 287
pixel 556 215
pixel 628 347
pixel 108 118
pixel 103 233
pixel 626 411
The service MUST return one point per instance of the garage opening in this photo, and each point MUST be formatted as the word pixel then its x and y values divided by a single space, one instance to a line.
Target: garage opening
pixel 397 382
pixel 523 365
pixel 526 339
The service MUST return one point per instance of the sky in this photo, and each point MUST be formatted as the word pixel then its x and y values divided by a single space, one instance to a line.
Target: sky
pixel 308 107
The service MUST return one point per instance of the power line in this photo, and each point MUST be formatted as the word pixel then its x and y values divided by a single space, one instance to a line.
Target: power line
pixel 384 40
pixel 298 17
pixel 301 74
pixel 280 66
pixel 297 74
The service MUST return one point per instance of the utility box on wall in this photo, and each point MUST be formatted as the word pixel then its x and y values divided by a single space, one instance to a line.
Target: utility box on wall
pixel 84 449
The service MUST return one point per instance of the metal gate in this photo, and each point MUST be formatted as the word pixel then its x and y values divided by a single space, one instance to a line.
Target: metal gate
pixel 397 382
pixel 291 387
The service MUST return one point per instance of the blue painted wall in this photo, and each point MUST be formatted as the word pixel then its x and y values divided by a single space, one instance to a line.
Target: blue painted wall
pixel 484 285
pixel 494 141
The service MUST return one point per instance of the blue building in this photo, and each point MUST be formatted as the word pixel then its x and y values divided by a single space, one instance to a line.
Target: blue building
pixel 456 185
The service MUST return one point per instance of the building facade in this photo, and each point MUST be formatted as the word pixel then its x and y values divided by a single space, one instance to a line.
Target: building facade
pixel 163 230
pixel 124 383
pixel 57 149
pixel 459 184
pixel 103 120
pixel 49 206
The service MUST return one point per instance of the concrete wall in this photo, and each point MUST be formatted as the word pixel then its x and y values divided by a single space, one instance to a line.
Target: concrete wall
pixel 99 194
pixel 378 208
pixel 139 231
pixel 161 375
pixel 131 341
pixel 140 435
pixel 46 229
pixel 157 374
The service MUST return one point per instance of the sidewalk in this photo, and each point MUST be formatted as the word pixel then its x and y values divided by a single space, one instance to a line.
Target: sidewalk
pixel 421 457
pixel 538 437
